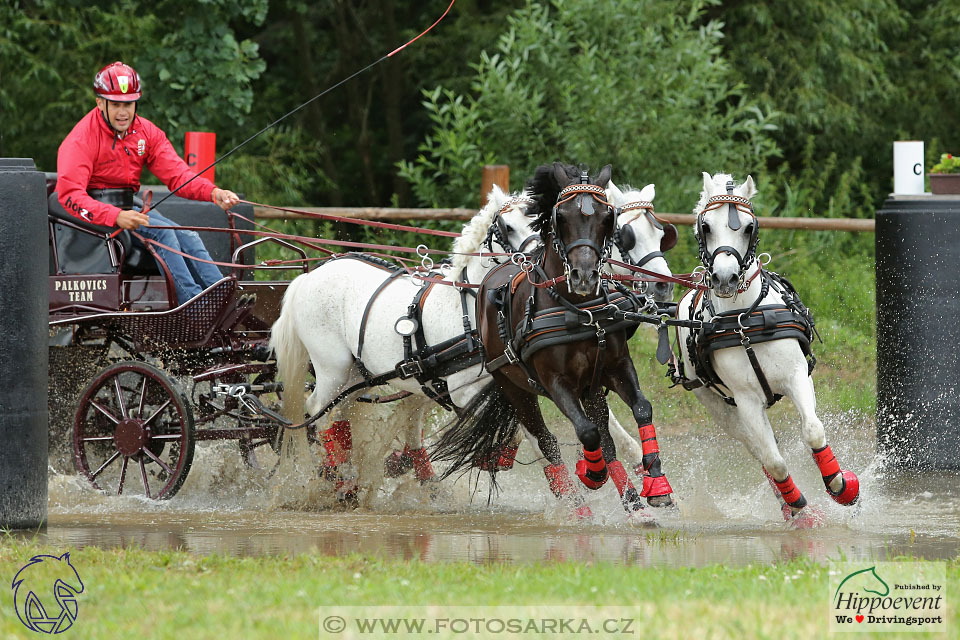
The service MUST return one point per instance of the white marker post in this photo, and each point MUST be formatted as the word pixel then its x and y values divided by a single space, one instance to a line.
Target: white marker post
pixel 908 167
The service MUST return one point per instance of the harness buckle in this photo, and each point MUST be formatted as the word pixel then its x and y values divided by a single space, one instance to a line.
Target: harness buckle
pixel 510 354
pixel 409 369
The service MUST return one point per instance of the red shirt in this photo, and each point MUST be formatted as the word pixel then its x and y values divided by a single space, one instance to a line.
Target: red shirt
pixel 93 157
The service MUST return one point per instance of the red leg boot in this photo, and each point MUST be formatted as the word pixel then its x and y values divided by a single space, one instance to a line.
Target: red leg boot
pixel 656 488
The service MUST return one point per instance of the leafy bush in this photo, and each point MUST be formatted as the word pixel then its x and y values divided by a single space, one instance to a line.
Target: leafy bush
pixel 635 83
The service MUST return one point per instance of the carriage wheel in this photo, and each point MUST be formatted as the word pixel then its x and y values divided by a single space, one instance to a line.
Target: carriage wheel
pixel 133 432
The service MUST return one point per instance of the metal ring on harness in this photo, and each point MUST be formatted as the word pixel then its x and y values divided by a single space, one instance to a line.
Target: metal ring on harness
pixel 425 260
pixel 518 258
pixel 589 313
pixel 760 259
pixel 740 321
pixel 526 267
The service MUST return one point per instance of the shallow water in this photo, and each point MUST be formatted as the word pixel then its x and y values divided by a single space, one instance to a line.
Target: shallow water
pixel 726 512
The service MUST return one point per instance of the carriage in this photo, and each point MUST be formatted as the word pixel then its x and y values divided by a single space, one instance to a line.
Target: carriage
pixel 136 379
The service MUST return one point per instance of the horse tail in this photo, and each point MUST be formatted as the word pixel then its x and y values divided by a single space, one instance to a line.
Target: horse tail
pixel 291 354
pixel 478 434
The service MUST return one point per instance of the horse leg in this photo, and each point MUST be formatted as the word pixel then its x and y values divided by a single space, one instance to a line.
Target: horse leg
pixel 625 442
pixel 558 477
pixel 755 432
pixel 412 415
pixel 595 471
pixel 598 411
pixel 842 485
pixel 656 488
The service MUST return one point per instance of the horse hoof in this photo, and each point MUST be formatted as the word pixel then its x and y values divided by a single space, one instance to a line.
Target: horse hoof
pixel 807 518
pixel 660 501
pixel 397 464
pixel 850 491
pixel 631 500
pixel 657 491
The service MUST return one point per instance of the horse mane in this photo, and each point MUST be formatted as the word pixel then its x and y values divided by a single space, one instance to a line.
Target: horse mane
pixel 545 189
pixel 719 181
pixel 475 231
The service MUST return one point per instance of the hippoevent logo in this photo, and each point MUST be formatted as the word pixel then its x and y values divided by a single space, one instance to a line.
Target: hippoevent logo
pixel 888 596
pixel 45 593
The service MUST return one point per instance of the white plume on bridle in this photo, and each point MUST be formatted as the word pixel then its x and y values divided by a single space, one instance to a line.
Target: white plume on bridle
pixel 475 232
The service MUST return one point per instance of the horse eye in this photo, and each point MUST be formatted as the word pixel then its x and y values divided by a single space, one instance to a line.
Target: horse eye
pixel 748 229
pixel 706 228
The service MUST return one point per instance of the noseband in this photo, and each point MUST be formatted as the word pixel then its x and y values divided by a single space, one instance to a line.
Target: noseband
pixel 586 206
pixel 735 205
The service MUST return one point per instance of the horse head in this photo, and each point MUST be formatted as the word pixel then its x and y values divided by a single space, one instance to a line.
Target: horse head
pixel 503 225
pixel 577 221
pixel 726 230
pixel 641 238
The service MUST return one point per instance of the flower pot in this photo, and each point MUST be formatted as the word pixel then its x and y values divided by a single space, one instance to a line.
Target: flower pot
pixel 945 183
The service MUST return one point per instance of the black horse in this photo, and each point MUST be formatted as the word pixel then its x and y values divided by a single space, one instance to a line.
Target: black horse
pixel 549 327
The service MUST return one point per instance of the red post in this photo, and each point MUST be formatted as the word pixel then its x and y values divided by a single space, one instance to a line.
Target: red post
pixel 200 151
pixel 494 174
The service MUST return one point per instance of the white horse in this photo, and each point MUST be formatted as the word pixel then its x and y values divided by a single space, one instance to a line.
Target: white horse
pixel 752 309
pixel 346 316
pixel 641 241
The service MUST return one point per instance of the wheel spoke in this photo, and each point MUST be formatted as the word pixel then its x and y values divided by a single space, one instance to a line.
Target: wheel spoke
pixel 143 474
pixel 97 439
pixel 157 412
pixel 167 436
pixel 143 397
pixel 123 474
pixel 116 454
pixel 120 399
pixel 160 462
pixel 96 405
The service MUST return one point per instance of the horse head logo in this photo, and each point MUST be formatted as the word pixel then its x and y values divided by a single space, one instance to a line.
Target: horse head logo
pixel 37 578
pixel 866 578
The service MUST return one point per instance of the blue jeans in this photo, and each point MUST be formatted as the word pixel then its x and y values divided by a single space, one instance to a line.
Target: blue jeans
pixel 189 276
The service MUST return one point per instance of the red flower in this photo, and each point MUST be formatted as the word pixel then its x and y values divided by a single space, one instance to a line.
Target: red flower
pixel 949 157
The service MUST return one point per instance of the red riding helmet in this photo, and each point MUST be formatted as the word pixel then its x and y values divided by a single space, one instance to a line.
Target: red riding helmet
pixel 117 82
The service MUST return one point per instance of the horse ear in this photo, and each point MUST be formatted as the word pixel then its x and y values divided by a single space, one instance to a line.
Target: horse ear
pixel 707 183
pixel 648 193
pixel 613 192
pixel 560 174
pixel 748 189
pixel 605 175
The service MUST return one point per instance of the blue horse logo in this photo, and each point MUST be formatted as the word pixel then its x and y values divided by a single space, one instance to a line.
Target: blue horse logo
pixel 35 579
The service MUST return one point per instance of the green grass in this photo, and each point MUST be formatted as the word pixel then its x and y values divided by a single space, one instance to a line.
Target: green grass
pixel 133 593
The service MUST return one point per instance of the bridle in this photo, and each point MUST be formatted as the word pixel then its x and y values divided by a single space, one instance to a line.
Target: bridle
pixel 586 206
pixel 626 239
pixel 501 233
pixel 735 204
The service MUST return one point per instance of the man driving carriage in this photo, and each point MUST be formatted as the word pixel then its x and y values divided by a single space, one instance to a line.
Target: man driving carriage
pixel 99 165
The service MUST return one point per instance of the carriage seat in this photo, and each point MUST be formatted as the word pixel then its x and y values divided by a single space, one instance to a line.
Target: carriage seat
pixel 83 247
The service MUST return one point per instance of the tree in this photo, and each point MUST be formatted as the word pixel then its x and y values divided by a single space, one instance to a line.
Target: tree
pixel 640 84
pixel 196 76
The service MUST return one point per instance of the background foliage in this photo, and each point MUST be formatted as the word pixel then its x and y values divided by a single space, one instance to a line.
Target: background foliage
pixel 806 95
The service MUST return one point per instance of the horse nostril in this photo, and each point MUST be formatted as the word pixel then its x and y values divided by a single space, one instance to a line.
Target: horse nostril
pixel 732 280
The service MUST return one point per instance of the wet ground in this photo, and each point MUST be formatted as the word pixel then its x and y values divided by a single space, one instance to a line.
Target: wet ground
pixel 726 512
